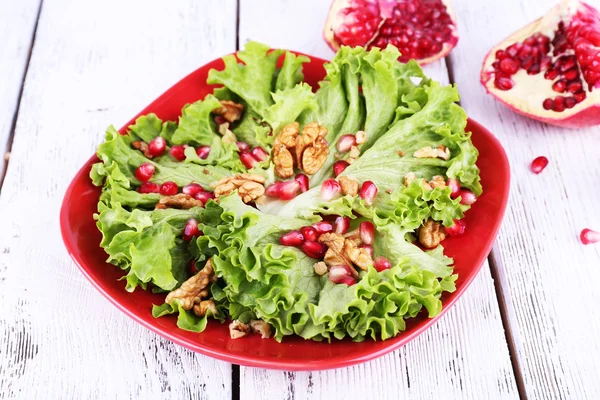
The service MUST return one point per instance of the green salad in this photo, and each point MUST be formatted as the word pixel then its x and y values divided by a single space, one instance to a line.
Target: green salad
pixel 291 210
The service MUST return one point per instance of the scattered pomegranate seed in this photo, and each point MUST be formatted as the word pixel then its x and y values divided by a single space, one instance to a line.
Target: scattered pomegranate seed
pixel 303 181
pixel 368 191
pixel 341 274
pixel 169 189
pixel 219 120
pixel 203 152
pixel 191 268
pixel 367 232
pixel 293 238
pixel 339 167
pixel 144 172
pixel 467 197
pixel 345 143
pixel 192 189
pixel 149 187
pixel 342 224
pixel 329 189
pixel 369 248
pixel 323 227
pixel 381 263
pixel 157 146
pixel 178 152
pixel 458 229
pixel 243 146
pixel 314 249
pixel 191 230
pixel 274 190
pixel 248 159
pixel 204 196
pixel 288 189
pixel 259 153
pixel 309 233
pixel 454 186
pixel 589 236
pixel 539 164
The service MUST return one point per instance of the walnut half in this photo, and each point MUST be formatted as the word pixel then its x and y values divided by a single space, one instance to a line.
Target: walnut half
pixel 249 186
pixel 431 234
pixel 180 200
pixel 192 291
pixel 230 110
pixel 311 148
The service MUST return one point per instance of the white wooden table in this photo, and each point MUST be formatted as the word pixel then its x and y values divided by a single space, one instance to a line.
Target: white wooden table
pixel 527 327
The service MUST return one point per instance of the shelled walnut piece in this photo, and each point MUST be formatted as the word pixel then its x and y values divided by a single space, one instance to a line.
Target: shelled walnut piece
pixel 345 250
pixel 192 291
pixel 308 152
pixel 249 186
pixel 230 110
pixel 431 234
pixel 349 185
pixel 143 147
pixel 437 181
pixel 238 329
pixel 428 152
pixel 180 200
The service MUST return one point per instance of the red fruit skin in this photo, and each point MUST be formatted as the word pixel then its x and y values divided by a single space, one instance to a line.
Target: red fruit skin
pixel 274 190
pixel 539 164
pixel 192 189
pixel 309 233
pixel 157 146
pixel 203 152
pixel 314 249
pixel 288 190
pixel 149 187
pixel 204 196
pixel 144 172
pixel 191 230
pixel 169 189
pixel 339 167
pixel 381 264
pixel 178 152
pixel 292 238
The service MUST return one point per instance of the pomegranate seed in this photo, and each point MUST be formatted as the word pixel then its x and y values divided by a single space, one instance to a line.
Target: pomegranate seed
pixel 367 247
pixel 501 54
pixel 559 104
pixel 191 230
pixel 288 190
pixel 539 164
pixel 454 186
pixel 303 181
pixel 243 146
pixel 169 189
pixel 259 153
pixel 192 189
pixel 203 152
pixel 345 143
pixel 178 152
pixel 149 187
pixel 329 189
pixel 571 74
pixel 503 83
pixel 368 191
pixel 570 102
pixel 342 224
pixel 309 233
pixel 157 146
pixel 144 172
pixel 274 190
pixel 293 238
pixel 340 274
pixel 339 167
pixel 545 63
pixel 204 196
pixel 367 232
pixel 467 197
pixel 323 227
pixel 580 96
pixel 191 268
pixel 381 263
pixel 574 87
pixel 248 159
pixel 458 229
pixel 551 74
pixel 219 120
pixel 559 86
pixel 509 66
pixel 314 249
pixel 548 104
pixel 589 236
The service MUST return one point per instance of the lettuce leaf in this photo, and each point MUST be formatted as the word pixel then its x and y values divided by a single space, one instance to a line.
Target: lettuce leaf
pixel 196 126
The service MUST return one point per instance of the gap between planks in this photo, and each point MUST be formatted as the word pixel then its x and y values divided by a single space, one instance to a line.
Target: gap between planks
pixel 13 125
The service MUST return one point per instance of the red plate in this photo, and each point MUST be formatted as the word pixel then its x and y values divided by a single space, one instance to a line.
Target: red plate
pixel 469 252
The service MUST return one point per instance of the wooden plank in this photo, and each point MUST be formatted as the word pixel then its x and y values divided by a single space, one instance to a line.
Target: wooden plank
pixel 17 24
pixel 464 355
pixel 93 64
pixel 548 278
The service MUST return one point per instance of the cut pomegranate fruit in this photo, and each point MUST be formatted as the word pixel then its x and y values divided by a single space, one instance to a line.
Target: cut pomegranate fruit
pixel 467 197
pixel 454 186
pixel 178 152
pixel 381 263
pixel 342 224
pixel 367 232
pixel 342 274
pixel 550 69
pixel 539 164
pixel 345 143
pixel 329 189
pixel 368 191
pixel 149 187
pixel 303 181
pixel 339 167
pixel 314 249
pixel 369 248
pixel 309 233
pixel 144 172
pixel 288 189
pixel 589 236
pixel 203 152
pixel 421 29
pixel 157 146
pixel 458 229
pixel 192 189
pixel 292 238
pixel 169 189
pixel 274 190
pixel 259 153
pixel 243 146
pixel 204 196
pixel 323 227
pixel 191 230
pixel 248 159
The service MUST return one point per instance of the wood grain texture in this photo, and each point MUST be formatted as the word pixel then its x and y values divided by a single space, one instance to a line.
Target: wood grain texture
pixel 17 23
pixel 464 355
pixel 548 278
pixel 93 63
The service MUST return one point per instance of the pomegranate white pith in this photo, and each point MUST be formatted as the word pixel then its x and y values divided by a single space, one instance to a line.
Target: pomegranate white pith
pixel 421 29
pixel 550 69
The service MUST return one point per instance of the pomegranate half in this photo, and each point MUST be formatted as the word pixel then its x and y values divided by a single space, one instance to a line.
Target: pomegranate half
pixel 550 69
pixel 421 29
